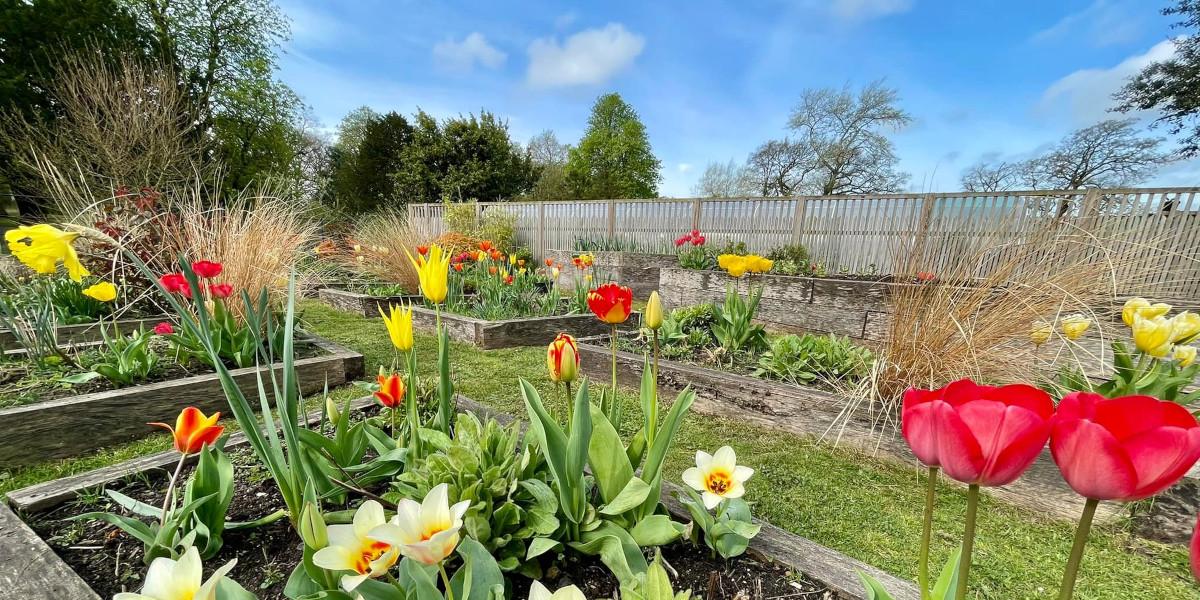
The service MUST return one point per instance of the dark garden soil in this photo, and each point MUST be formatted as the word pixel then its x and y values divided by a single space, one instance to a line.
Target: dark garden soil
pixel 110 561
pixel 22 382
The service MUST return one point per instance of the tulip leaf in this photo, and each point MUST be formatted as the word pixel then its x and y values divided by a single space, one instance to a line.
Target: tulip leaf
pixel 480 576
pixel 606 455
pixel 372 589
pixel 947 581
pixel 633 494
pixel 129 525
pixel 875 590
pixel 656 530
pixel 228 589
pixel 540 546
pixel 616 549
pixel 136 507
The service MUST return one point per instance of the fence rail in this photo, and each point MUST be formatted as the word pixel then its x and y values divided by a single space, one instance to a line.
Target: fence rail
pixel 860 233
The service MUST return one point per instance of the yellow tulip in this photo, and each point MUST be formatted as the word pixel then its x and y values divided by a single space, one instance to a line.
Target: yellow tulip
pixel 1185 327
pixel 1074 326
pixel 1141 307
pixel 554 272
pixel 434 273
pixel 758 264
pixel 1153 335
pixel 41 247
pixel 653 318
pixel 399 324
pixel 733 264
pixel 103 291
pixel 1185 355
pixel 1040 332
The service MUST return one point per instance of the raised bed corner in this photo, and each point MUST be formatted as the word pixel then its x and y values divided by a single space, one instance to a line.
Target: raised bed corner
pixel 76 425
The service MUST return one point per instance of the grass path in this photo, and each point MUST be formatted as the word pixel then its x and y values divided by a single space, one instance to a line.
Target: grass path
pixel 865 508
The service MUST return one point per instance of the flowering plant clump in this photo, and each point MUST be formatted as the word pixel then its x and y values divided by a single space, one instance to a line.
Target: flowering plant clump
pixel 738 265
pixel 693 254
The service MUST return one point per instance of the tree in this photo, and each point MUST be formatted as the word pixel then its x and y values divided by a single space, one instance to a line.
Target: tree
pixel 1172 86
pixel 550 156
pixel 34 36
pixel 724 180
pixel 842 134
pixel 999 176
pixel 778 168
pixel 545 149
pixel 613 159
pixel 362 177
pixel 258 136
pixel 1107 154
pixel 353 128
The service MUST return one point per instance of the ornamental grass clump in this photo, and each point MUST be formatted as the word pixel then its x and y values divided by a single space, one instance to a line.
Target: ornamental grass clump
pixel 374 248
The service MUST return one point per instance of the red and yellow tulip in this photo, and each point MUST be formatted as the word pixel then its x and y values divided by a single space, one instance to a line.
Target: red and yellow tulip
pixel 193 430
pixel 562 359
pixel 391 390
pixel 611 303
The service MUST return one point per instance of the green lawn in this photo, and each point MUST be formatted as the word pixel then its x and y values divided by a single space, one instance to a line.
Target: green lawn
pixel 863 507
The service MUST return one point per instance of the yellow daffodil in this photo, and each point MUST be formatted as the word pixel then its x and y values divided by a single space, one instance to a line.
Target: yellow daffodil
pixel 1185 327
pixel 434 273
pixel 1185 355
pixel 351 548
pixel 537 591
pixel 1141 307
pixel 1153 335
pixel 399 324
pixel 717 476
pixel 169 579
pixel 426 532
pixel 103 291
pixel 653 317
pixel 41 247
pixel 1040 332
pixel 1074 326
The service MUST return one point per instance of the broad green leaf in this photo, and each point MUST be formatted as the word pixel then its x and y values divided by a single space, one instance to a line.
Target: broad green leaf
pixel 947 581
pixel 874 589
pixel 656 530
pixel 606 455
pixel 634 494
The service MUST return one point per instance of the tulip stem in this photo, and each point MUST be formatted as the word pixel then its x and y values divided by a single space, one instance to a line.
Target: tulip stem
pixel 964 562
pixel 1081 536
pixel 446 581
pixel 926 533
pixel 171 487
pixel 613 391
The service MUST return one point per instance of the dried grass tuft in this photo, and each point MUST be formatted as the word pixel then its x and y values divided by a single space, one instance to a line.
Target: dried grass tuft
pixel 375 248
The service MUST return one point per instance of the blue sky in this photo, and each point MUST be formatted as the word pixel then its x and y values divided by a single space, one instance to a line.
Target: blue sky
pixel 712 80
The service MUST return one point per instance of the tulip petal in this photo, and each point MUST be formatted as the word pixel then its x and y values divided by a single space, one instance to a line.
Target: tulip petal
pixel 957 448
pixel 1130 416
pixel 711 500
pixel 1161 456
pixel 725 459
pixel 693 478
pixel 1091 460
pixel 703 460
pixel 1010 438
pixel 367 517
pixel 741 473
pixel 919 427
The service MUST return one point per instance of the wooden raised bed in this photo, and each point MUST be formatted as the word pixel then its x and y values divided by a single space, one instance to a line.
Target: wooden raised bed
pixel 507 333
pixel 30 570
pixel 76 425
pixel 83 333
pixel 638 271
pixel 855 308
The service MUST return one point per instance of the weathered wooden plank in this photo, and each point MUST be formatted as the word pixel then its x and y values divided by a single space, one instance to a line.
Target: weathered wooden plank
pixel 29 569
pixel 362 304
pixel 88 332
pixel 34 432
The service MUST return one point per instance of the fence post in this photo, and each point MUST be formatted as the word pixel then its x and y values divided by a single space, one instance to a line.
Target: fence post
pixel 612 219
pixel 697 208
pixel 798 219
pixel 478 214
pixel 541 232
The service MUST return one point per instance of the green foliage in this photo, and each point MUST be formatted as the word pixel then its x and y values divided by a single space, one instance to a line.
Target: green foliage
pixel 495 225
pixel 1163 379
pixel 511 502
pixel 232 339
pixel 697 257
pixel 614 159
pixel 795 254
pixel 728 533
pixel 943 588
pixel 125 360
pixel 364 163
pixel 654 584
pixel 803 359
pixel 732 322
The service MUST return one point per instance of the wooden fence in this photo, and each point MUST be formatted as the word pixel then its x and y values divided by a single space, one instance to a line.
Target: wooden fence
pixel 859 234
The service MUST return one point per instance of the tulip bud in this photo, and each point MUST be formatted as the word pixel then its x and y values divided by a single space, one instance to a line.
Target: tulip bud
pixel 1152 335
pixel 1074 326
pixel 1185 327
pixel 1040 332
pixel 312 527
pixel 562 359
pixel 331 411
pixel 1185 355
pixel 654 311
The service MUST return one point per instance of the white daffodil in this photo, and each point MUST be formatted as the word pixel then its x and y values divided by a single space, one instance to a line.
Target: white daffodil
pixel 170 579
pixel 717 476
pixel 352 549
pixel 537 591
pixel 426 532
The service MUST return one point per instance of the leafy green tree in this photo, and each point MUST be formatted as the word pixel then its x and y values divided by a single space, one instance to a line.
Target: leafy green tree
pixel 1172 86
pixel 364 178
pixel 613 159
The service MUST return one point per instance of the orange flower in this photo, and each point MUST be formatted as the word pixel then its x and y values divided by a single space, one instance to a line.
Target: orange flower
pixel 497 255
pixel 520 262
pixel 391 390
pixel 485 245
pixel 492 270
pixel 508 280
pixel 193 430
pixel 458 267
pixel 422 250
pixel 549 262
pixel 610 302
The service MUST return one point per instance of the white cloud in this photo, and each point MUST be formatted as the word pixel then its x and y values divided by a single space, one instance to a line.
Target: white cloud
pixel 589 57
pixel 684 167
pixel 1102 23
pixel 855 10
pixel 1086 95
pixel 463 56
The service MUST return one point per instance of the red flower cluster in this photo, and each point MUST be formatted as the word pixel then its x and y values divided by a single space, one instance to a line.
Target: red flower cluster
pixel 176 283
pixel 926 276
pixel 422 250
pixel 164 328
pixel 1123 449
pixel 693 237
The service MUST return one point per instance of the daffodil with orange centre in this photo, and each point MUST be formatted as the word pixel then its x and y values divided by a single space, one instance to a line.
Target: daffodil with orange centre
pixel 41 247
pixel 717 476
pixel 353 548
pixel 427 532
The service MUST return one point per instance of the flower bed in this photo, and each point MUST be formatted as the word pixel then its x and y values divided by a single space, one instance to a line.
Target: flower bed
pixel 490 334
pixel 637 271
pixel 34 431
pixel 781 563
pixel 83 333
pixel 855 308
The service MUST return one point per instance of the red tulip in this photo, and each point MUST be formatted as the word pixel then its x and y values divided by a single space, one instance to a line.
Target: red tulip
pixel 1126 448
pixel 422 250
pixel 391 390
pixel 1195 551
pixel 164 328
pixel 193 430
pixel 508 279
pixel 698 240
pixel 610 302
pixel 176 283
pixel 681 241
pixel 220 290
pixel 549 262
pixel 695 233
pixel 458 267
pixel 978 434
pixel 207 269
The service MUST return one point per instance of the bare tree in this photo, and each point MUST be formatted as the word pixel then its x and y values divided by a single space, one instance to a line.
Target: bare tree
pixel 843 135
pixel 999 176
pixel 724 180
pixel 545 149
pixel 1107 154
pixel 777 168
